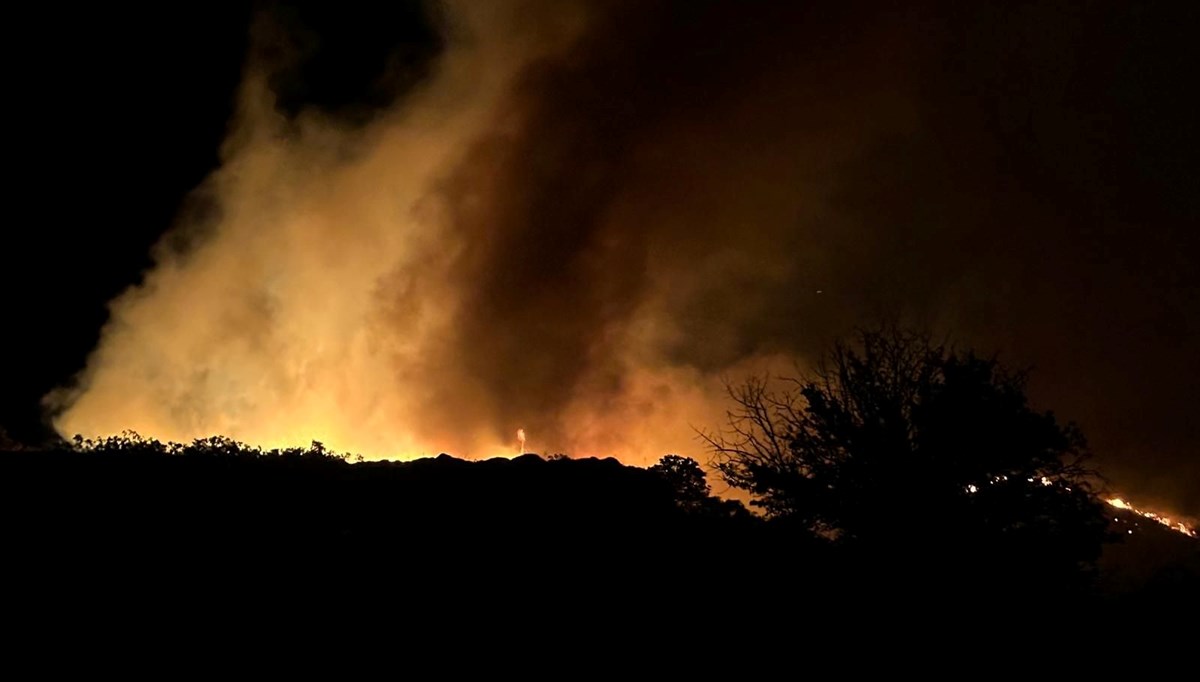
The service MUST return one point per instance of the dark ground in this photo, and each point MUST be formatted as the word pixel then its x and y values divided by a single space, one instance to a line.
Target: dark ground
pixel 445 538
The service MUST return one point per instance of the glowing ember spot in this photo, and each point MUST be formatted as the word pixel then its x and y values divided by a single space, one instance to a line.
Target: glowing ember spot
pixel 1167 521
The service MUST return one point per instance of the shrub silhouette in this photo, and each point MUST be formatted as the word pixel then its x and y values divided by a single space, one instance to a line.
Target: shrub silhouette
pixel 690 489
pixel 897 444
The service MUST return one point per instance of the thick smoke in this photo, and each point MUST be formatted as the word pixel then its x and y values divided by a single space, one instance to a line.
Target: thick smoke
pixel 590 214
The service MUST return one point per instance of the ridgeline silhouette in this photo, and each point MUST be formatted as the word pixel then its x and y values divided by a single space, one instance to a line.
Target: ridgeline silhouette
pixel 900 470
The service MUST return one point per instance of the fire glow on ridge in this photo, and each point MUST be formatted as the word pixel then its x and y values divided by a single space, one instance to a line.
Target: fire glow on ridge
pixel 1167 521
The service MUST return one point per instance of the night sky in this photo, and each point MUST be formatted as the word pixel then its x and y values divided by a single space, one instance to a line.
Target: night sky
pixel 753 179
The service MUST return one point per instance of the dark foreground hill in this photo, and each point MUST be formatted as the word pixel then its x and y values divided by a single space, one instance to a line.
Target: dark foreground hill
pixel 137 522
pixel 553 515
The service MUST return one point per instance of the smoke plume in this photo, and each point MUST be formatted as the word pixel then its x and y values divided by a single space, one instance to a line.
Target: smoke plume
pixel 588 215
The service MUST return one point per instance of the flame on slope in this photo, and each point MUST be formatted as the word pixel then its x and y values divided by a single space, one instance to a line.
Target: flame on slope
pixel 1167 521
pixel 1118 502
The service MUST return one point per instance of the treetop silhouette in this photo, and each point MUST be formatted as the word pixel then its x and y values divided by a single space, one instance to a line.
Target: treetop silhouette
pixel 896 439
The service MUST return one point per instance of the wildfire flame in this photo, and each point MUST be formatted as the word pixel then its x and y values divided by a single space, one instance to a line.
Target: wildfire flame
pixel 520 441
pixel 1167 521
pixel 1118 502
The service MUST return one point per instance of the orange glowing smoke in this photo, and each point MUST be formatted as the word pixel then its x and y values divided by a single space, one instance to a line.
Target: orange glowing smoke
pixel 1167 521
pixel 489 251
pixel 346 289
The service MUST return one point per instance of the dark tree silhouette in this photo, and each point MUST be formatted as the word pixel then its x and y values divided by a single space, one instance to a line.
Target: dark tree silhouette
pixel 894 440
pixel 691 491
pixel 686 479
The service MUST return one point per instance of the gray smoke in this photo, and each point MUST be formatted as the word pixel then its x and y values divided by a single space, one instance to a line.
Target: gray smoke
pixel 590 214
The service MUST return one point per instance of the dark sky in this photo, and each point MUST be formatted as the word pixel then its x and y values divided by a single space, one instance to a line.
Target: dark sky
pixel 114 116
pixel 122 112
pixel 1022 175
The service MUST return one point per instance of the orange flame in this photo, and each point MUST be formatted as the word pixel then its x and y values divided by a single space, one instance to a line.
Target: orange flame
pixel 1167 521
